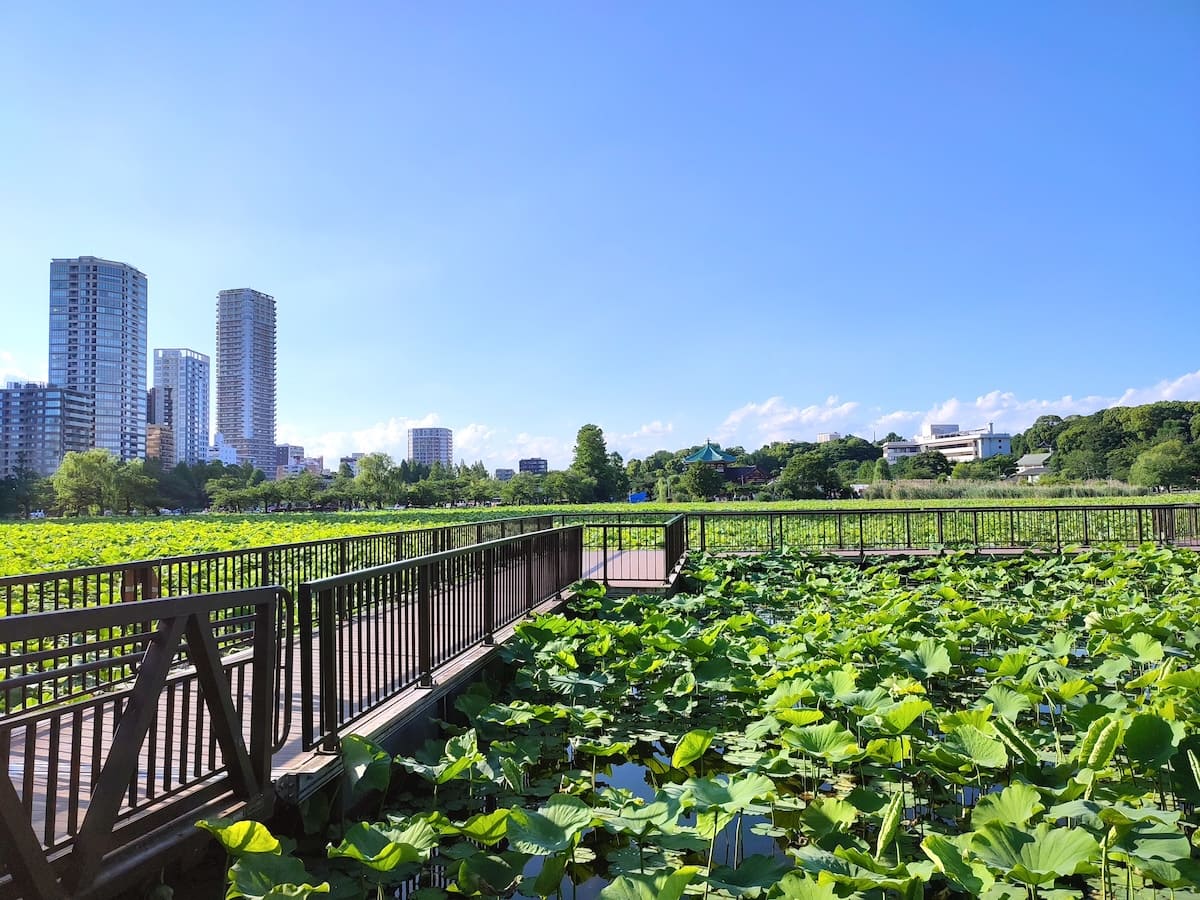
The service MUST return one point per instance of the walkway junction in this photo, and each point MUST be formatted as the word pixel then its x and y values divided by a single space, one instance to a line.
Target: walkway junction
pixel 140 697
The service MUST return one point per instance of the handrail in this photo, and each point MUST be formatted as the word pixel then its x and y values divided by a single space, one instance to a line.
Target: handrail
pixel 366 636
pixel 179 736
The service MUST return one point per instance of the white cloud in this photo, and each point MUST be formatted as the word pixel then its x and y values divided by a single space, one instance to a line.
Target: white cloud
pixel 651 437
pixel 14 369
pixel 756 424
pixel 751 425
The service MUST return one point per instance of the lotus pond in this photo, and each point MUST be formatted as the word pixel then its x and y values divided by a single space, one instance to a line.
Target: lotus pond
pixel 799 727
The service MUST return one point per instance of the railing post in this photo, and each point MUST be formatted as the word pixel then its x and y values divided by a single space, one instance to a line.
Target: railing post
pixel 558 555
pixel 342 561
pixel 489 595
pixel 264 568
pixel 1012 529
pixel 975 527
pixel 841 543
pixel 770 531
pixel 940 527
pixel 327 655
pixel 425 625
pixel 703 536
pixel 529 601
pixel 1084 509
pixel 604 550
pixel 479 533
pixel 1057 531
pixel 262 687
pixel 908 529
pixel 861 536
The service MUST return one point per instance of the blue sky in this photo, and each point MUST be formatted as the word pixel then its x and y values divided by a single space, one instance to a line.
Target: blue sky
pixel 675 220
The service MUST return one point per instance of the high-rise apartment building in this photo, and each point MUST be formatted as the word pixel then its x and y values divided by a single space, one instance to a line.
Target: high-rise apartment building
pixel 246 375
pixel 98 346
pixel 430 445
pixel 39 425
pixel 181 401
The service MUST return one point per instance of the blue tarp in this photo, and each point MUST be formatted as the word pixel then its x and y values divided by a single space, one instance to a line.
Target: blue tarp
pixel 639 497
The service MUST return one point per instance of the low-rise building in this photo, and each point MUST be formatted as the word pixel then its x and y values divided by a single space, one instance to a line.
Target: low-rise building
pixel 894 451
pixel 40 424
pixel 965 446
pixel 504 474
pixel 222 452
pixel 535 465
pixel 1031 467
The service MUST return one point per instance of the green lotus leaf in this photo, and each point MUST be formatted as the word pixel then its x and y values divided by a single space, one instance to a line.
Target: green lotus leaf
pixel 830 741
pixel 969 747
pixel 730 794
pixel 487 828
pixel 929 658
pixel 554 827
pixel 890 824
pixel 828 815
pixel 754 875
pixel 1015 805
pixel 691 747
pixel 295 891
pixel 1037 857
pixel 241 837
pixel 368 767
pixel 1099 743
pixel 972 878
pixel 1150 740
pixel 897 718
pixel 1143 648
pixel 798 886
pixel 256 875
pixel 383 848
pixel 797 716
pixel 659 886
pixel 490 874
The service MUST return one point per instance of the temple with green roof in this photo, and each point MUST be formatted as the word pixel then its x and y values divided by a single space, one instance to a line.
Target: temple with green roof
pixel 711 454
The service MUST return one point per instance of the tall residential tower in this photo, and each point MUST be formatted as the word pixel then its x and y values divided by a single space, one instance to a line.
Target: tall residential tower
pixel 181 401
pixel 246 375
pixel 430 445
pixel 98 347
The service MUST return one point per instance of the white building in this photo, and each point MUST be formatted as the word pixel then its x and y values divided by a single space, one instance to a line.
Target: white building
pixel 894 451
pixel 965 446
pixel 430 445
pixel 181 401
pixel 222 452
pixel 824 437
pixel 957 446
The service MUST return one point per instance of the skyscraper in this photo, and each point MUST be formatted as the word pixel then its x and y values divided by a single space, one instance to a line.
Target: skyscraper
pixel 246 375
pixel 39 425
pixel 98 346
pixel 430 445
pixel 181 401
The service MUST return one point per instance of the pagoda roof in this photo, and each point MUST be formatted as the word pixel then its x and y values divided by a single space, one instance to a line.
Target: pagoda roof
pixel 710 453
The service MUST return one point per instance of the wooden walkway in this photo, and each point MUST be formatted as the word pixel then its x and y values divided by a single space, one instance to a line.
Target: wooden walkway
pixel 178 740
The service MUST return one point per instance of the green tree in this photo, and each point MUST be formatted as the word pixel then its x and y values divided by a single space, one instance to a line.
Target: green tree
pixel 84 482
pixel 1170 464
pixel 883 472
pixel 134 487
pixel 377 479
pixel 592 460
pixel 703 481
pixel 929 464
pixel 522 489
pixel 808 476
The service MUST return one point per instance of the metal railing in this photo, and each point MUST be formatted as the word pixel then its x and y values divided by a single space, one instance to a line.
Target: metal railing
pixel 282 564
pixel 641 553
pixel 99 770
pixel 971 528
pixel 367 636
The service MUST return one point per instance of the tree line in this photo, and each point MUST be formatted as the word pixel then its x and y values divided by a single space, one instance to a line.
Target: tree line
pixel 1155 445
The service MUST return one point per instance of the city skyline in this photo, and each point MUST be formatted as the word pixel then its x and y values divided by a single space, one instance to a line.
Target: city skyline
pixel 676 223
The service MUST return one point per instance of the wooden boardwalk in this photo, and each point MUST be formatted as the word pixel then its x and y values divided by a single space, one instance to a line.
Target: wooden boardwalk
pixel 179 745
